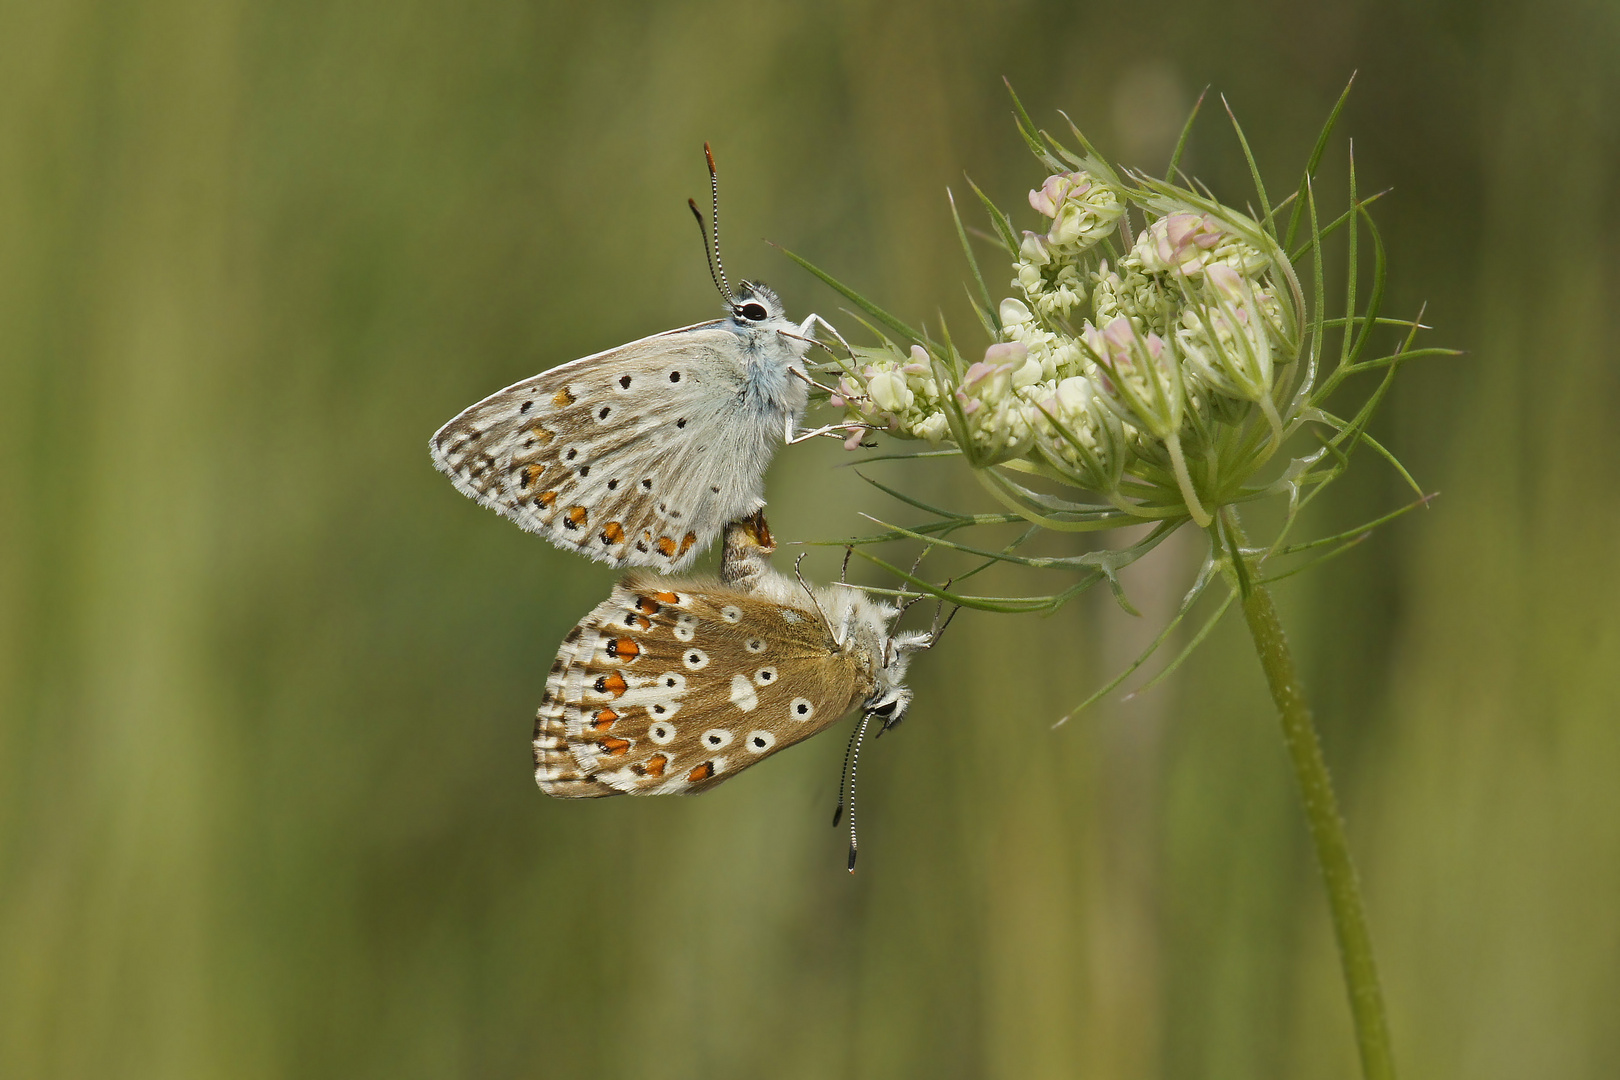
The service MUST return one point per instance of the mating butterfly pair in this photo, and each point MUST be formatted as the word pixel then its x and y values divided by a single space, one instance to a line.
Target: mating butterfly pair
pixel 640 456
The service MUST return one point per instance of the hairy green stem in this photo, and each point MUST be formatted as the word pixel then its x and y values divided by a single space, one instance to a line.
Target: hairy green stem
pixel 1322 814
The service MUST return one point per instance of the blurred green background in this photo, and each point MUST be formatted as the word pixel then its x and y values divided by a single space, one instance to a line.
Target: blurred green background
pixel 267 682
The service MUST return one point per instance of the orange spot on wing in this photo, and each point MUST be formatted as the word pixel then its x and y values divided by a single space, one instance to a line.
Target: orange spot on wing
pixel 604 720
pixel 612 683
pixel 687 541
pixel 624 648
pixel 541 433
pixel 577 516
pixel 562 397
pixel 642 622
pixel 546 498
pixel 701 773
pixel 667 546
pixel 648 606
pixel 615 746
pixel 613 533
pixel 666 598
pixel 655 765
pixel 531 473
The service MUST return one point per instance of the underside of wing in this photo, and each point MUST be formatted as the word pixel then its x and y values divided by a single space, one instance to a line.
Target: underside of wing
pixel 673 686
pixel 637 456
pixel 555 769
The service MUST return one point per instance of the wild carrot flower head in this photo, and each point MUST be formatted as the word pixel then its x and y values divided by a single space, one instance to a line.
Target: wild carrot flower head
pixel 1150 347
pixel 1116 355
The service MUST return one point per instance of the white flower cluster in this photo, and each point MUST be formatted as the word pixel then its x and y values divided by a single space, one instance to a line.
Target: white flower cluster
pixel 1187 323
pixel 1083 211
pixel 900 395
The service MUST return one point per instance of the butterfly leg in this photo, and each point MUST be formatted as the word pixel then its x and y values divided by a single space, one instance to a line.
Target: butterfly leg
pixel 836 431
pixel 831 391
pixel 814 320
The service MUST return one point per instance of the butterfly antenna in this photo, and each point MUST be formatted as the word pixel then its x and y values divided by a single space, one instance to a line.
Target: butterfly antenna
pixel 843 777
pixel 714 189
pixel 812 595
pixel 854 767
pixel 843 571
pixel 703 231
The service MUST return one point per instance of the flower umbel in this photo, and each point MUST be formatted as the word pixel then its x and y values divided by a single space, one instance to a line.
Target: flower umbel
pixel 1111 371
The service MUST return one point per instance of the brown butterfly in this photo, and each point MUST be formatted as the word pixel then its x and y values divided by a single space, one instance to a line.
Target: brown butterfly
pixel 673 686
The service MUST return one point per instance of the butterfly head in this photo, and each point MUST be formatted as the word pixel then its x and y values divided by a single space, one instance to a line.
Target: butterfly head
pixel 864 626
pixel 892 697
pixel 754 304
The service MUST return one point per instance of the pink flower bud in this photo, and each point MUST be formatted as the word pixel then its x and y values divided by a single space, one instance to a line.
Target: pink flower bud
pixel 1006 352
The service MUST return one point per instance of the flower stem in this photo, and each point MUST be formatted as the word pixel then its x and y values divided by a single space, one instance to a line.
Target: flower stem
pixel 1322 814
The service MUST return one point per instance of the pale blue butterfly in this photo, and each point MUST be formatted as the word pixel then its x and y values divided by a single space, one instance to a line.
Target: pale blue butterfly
pixel 640 455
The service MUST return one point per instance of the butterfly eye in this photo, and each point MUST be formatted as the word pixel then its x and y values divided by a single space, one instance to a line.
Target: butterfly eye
pixel 765 675
pixel 760 741
pixel 886 709
pixel 753 312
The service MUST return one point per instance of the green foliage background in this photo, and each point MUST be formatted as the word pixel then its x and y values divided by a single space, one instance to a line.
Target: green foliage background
pixel 266 681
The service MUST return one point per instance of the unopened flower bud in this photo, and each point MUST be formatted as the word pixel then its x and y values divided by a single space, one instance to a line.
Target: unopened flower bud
pixel 1013 311
pixel 889 391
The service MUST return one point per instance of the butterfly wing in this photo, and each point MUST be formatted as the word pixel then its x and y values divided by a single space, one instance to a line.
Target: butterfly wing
pixel 555 768
pixel 636 456
pixel 672 687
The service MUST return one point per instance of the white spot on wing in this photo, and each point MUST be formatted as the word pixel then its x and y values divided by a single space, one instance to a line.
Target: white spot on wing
pixel 759 741
pixel 765 675
pixel 731 613
pixel 801 709
pixel 742 693
pixel 661 733
pixel 715 738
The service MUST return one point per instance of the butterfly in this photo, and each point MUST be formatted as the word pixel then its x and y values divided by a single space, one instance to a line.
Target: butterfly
pixel 674 686
pixel 639 456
